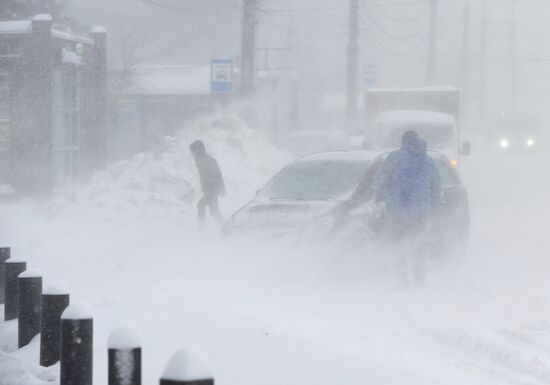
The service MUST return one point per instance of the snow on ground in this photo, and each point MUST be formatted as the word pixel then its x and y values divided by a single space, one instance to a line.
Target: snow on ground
pixel 295 314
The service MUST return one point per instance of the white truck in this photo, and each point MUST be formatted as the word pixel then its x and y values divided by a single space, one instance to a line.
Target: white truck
pixel 432 112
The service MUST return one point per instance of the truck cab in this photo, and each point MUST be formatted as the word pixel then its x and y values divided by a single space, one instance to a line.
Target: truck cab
pixel 437 129
pixel 433 112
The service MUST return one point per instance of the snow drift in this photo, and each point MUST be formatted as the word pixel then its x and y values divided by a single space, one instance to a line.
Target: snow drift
pixel 165 181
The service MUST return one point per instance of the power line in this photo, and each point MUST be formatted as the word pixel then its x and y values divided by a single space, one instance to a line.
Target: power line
pixel 410 36
pixel 384 13
pixel 343 7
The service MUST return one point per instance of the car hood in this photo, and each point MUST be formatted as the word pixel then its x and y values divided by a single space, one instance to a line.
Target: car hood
pixel 278 215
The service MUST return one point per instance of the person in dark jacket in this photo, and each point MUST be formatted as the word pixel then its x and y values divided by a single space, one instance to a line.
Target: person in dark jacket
pixel 211 180
pixel 409 185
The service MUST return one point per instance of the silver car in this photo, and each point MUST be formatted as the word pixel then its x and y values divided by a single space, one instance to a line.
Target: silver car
pixel 305 189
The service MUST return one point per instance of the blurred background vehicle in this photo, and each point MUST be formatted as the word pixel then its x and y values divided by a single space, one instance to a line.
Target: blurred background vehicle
pixel 517 132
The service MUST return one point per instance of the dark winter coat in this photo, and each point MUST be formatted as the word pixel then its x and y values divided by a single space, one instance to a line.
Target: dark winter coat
pixel 408 182
pixel 210 175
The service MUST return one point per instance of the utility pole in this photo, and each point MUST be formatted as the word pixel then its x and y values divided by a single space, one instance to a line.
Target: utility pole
pixel 353 56
pixel 465 62
pixel 431 64
pixel 513 56
pixel 483 63
pixel 248 46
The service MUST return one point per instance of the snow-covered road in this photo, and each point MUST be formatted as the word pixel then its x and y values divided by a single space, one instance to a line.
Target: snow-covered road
pixel 275 314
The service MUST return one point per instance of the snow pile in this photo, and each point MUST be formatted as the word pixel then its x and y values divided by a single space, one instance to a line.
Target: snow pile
pixel 166 182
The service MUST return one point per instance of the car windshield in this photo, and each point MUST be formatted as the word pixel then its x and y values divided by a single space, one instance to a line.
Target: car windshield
pixel 316 180
pixel 437 136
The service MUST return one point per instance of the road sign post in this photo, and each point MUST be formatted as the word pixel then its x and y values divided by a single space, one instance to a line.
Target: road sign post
pixel 369 75
pixel 221 76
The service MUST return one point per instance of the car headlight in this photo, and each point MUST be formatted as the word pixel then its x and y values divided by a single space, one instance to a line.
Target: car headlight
pixel 504 143
pixel 529 142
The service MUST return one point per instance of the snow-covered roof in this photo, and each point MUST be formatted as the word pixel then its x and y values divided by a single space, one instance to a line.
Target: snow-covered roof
pixel 415 116
pixel 42 17
pixel 19 26
pixel 71 37
pixel 170 80
pixel 99 29
pixel 25 26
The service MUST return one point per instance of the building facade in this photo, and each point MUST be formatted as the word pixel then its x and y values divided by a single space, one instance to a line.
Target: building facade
pixel 53 104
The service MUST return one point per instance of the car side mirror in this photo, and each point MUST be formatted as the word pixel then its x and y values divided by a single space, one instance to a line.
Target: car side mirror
pixel 466 148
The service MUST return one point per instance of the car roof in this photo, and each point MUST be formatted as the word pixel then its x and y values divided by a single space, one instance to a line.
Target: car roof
pixel 357 156
pixel 346 156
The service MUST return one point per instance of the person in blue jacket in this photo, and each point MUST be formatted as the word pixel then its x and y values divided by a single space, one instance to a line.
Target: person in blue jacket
pixel 409 185
pixel 408 182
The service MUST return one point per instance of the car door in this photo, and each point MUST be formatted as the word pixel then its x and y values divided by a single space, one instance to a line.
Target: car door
pixel 453 215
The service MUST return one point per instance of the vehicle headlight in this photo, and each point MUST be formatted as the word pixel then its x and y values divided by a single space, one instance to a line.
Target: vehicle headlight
pixel 529 142
pixel 504 143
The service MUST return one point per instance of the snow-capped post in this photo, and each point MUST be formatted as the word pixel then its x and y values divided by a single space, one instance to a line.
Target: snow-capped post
pixel 188 367
pixel 77 330
pixel 125 356
pixel 4 256
pixel 29 299
pixel 14 267
pixel 55 299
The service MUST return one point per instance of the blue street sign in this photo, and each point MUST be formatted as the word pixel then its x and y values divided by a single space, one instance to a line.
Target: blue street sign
pixel 369 75
pixel 221 75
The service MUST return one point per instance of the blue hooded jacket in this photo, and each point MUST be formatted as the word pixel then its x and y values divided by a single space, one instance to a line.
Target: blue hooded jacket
pixel 408 182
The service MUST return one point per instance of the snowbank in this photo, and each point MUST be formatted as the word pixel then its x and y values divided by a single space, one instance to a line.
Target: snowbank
pixel 166 182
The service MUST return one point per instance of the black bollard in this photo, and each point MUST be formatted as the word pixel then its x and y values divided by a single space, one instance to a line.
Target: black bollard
pixel 187 367
pixel 14 267
pixel 29 293
pixel 55 299
pixel 4 256
pixel 125 356
pixel 77 331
